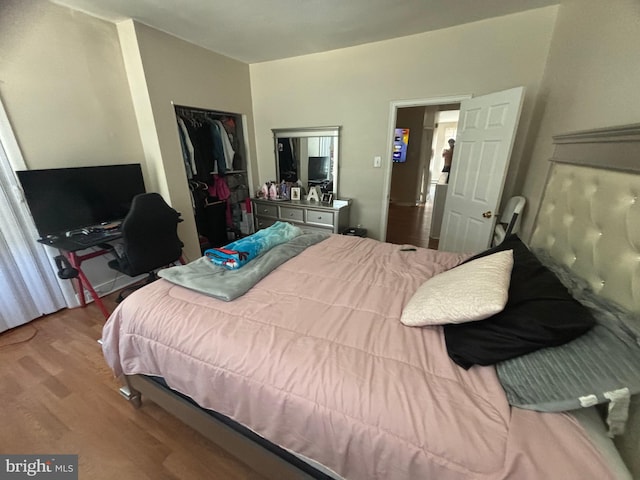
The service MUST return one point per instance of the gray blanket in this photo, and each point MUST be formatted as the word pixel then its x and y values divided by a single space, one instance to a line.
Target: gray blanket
pixel 203 276
pixel 585 371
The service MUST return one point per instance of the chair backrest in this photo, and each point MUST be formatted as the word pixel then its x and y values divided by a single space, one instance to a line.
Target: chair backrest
pixel 150 234
pixel 509 221
pixel 512 214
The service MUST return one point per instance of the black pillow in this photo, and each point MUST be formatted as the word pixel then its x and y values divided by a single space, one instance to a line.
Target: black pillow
pixel 539 313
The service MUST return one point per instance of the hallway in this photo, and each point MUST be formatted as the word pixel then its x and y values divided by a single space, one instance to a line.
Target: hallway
pixel 410 225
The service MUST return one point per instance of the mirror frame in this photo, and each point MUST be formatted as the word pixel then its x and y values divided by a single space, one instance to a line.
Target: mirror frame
pixel 307 132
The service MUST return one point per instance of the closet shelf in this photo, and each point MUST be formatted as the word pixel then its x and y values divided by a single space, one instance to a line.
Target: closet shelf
pixel 230 171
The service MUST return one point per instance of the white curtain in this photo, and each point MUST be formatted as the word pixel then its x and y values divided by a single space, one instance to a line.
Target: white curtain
pixel 28 286
pixel 325 146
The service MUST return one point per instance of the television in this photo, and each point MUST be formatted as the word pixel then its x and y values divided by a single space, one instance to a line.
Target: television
pixel 319 168
pixel 400 144
pixel 67 199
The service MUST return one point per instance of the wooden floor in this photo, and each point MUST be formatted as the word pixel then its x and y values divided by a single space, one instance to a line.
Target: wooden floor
pixel 410 225
pixel 58 396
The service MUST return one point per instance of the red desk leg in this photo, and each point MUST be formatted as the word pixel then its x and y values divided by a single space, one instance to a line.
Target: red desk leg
pixel 82 280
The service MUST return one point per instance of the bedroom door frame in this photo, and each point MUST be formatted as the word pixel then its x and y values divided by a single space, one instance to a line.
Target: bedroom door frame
pixel 387 162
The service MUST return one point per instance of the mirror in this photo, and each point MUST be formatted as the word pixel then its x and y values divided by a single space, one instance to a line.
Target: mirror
pixel 308 156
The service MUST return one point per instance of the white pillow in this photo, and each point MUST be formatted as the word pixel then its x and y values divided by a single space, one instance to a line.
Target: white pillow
pixel 472 291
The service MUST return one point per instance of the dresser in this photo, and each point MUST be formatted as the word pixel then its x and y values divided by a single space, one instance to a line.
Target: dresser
pixel 308 215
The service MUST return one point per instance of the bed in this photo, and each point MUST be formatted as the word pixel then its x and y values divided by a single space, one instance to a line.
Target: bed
pixel 311 373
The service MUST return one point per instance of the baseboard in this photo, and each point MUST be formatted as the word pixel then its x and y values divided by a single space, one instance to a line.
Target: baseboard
pixel 108 287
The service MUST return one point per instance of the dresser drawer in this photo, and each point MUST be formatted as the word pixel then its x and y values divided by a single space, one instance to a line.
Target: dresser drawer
pixel 330 218
pixel 266 210
pixel 320 217
pixel 291 214
pixel 264 222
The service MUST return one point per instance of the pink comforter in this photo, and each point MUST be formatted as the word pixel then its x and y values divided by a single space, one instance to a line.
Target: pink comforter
pixel 315 359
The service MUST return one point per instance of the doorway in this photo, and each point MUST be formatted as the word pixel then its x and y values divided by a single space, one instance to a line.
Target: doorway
pixel 420 135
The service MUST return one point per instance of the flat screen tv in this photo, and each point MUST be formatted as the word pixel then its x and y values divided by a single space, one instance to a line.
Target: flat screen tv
pixel 66 199
pixel 319 168
pixel 400 145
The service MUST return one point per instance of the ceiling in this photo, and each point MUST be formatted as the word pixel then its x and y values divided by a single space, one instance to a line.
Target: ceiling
pixel 260 30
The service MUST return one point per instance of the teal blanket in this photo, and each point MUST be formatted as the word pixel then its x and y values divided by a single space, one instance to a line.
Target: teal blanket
pixel 239 253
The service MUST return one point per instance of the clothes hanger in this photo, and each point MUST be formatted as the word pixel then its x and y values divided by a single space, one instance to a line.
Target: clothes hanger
pixel 208 203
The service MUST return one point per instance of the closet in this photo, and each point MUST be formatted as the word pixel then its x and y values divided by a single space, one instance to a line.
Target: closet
pixel 215 161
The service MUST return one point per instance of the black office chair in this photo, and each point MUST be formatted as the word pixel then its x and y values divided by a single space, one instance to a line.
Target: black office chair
pixel 150 239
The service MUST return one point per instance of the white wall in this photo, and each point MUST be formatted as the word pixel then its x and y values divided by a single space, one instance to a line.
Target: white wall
pixel 167 70
pixel 591 80
pixel 69 98
pixel 64 87
pixel 354 87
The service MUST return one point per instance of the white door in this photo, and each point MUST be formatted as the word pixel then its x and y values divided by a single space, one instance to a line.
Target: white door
pixel 486 131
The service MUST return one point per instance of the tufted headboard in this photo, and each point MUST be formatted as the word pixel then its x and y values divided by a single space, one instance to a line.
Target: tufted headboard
pixel 589 220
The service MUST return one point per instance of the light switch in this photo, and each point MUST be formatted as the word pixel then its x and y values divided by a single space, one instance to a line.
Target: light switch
pixel 377 162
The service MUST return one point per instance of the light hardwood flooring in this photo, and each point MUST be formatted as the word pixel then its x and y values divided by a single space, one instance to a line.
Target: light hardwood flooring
pixel 58 396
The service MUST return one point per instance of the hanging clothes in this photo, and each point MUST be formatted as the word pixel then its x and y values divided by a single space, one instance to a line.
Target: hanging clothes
pixel 287 162
pixel 200 135
pixel 237 162
pixel 220 190
pixel 226 145
pixel 219 165
pixel 214 164
pixel 187 150
pixel 210 215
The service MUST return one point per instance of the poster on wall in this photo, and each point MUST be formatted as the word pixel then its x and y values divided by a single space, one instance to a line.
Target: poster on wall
pixel 400 143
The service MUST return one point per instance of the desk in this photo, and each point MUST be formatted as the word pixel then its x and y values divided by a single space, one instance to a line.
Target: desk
pixel 69 248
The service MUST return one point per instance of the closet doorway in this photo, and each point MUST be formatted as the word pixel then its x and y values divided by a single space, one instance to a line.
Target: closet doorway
pixel 215 163
pixel 420 135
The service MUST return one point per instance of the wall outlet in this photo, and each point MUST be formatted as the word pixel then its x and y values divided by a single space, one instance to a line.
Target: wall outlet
pixel 377 161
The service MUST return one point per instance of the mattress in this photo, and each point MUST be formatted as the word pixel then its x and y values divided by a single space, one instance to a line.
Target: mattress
pixel 314 359
pixel 592 422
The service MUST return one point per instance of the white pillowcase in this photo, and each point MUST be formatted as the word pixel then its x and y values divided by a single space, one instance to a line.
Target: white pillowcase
pixel 472 291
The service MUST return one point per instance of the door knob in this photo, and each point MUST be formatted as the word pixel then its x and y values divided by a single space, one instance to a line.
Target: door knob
pixel 487 214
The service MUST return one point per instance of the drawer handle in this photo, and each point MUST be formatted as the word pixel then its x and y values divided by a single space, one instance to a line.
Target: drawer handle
pixel 266 210
pixel 319 218
pixel 291 214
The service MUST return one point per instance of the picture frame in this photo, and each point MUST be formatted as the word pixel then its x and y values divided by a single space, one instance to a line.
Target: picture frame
pixel 295 193
pixel 327 197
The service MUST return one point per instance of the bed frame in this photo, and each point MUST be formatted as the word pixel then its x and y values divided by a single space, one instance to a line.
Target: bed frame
pixel 589 219
pixel 272 461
